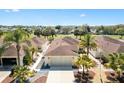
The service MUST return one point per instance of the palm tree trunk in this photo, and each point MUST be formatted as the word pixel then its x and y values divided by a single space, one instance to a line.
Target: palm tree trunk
pixel 87 50
pixel 83 71
pixel 87 70
pixel 18 56
pixel 119 74
pixel 87 75
pixel 32 56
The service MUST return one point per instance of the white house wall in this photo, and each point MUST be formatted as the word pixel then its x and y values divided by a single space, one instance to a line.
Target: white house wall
pixel 63 62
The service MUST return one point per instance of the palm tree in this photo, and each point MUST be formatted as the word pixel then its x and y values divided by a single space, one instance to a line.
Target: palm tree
pixel 80 63
pixel 88 43
pixel 89 64
pixel 116 62
pixel 84 62
pixel 21 74
pixel 33 50
pixel 120 31
pixel 17 37
pixel 27 60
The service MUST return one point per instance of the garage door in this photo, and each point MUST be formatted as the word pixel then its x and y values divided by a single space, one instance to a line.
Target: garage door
pixel 9 61
pixel 61 63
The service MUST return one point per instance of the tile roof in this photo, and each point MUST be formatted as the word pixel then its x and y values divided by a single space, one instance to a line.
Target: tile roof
pixel 35 41
pixel 11 51
pixel 63 47
pixel 109 45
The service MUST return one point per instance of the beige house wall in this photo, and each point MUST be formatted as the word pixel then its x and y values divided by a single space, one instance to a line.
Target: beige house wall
pixel 63 62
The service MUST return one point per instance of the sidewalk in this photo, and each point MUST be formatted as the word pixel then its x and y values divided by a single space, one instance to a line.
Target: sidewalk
pixel 3 75
pixel 46 46
pixel 97 71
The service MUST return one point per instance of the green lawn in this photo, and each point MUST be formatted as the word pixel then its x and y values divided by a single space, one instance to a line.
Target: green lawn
pixel 115 36
pixel 71 35
pixel 112 36
pixel 62 36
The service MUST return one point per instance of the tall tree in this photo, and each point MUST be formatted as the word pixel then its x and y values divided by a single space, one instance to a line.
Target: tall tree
pixel 27 60
pixel 88 43
pixel 48 31
pixel 120 31
pixel 84 62
pixel 16 37
pixel 76 32
pixel 58 27
pixel 38 32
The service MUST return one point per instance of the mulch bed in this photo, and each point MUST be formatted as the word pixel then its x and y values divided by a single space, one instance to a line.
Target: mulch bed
pixel 79 78
pixel 42 79
pixel 91 73
pixel 112 76
pixel 8 79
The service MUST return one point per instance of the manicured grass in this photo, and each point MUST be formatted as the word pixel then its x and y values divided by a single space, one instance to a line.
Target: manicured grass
pixel 72 35
pixel 115 36
pixel 62 36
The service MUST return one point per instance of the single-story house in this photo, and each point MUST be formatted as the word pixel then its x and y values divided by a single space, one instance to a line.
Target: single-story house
pixel 9 57
pixel 61 53
pixel 35 42
pixel 107 45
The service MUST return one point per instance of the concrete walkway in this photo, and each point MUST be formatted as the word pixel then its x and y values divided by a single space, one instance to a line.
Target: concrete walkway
pixel 3 75
pixel 60 77
pixel 99 70
pixel 46 46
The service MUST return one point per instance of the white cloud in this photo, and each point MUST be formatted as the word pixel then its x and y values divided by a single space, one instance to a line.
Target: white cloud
pixel 15 10
pixel 7 11
pixel 82 15
pixel 12 10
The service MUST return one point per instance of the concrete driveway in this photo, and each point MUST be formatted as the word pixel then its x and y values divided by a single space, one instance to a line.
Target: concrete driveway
pixel 60 77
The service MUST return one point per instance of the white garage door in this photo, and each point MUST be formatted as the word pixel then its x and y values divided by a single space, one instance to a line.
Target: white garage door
pixel 60 63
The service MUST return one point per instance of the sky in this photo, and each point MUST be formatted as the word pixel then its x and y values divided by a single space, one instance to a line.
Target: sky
pixel 61 16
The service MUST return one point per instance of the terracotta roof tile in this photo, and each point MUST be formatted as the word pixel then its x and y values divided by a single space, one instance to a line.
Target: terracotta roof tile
pixel 62 47
pixel 11 51
pixel 109 45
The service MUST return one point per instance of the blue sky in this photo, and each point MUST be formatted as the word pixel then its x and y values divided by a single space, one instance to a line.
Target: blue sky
pixel 61 17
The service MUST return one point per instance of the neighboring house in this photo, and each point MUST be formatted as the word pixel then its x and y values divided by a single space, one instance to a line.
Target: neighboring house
pixel 35 42
pixel 9 57
pixel 107 45
pixel 61 53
